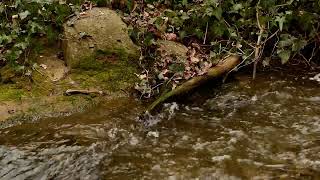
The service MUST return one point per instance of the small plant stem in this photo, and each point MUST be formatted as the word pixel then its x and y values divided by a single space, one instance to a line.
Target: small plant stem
pixel 257 52
pixel 205 35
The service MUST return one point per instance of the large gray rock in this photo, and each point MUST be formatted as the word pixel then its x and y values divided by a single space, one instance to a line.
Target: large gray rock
pixel 100 29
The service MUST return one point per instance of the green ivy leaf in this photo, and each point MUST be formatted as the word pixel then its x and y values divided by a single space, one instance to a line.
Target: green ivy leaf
pixel 198 32
pixel 21 45
pixel 184 2
pixel 299 44
pixel 217 12
pixel 284 55
pixel 24 14
pixel 5 39
pixel 219 29
pixel 280 20
pixel 237 7
pixel 184 16
pixel 17 3
pixel 34 27
pixel 286 40
pixel 208 11
pixel 2 8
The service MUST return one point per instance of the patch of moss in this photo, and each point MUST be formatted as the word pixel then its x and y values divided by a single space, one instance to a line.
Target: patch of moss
pixel 112 77
pixel 9 92
pixel 37 86
pixel 41 85
pixel 120 54
pixel 89 63
pixel 102 58
pixel 108 70
pixel 9 73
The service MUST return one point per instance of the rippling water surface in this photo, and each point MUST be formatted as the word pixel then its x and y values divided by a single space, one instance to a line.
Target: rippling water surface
pixel 266 129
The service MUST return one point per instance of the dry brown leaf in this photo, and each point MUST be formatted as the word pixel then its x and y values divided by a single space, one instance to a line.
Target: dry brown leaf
pixel 145 14
pixel 194 59
pixel 192 52
pixel 196 46
pixel 170 36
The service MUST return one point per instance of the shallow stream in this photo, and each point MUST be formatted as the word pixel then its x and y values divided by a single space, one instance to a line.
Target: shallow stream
pixel 263 129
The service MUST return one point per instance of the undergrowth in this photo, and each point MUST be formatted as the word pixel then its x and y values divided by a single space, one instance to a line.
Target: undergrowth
pixel 260 31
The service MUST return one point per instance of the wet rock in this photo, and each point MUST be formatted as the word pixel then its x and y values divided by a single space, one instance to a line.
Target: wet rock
pixel 101 30
pixel 64 162
pixel 133 141
pixel 156 168
pixel 315 78
pixel 229 102
pixel 221 158
pixel 154 134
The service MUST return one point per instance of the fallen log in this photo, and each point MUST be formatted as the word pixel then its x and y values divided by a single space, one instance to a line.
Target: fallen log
pixel 220 69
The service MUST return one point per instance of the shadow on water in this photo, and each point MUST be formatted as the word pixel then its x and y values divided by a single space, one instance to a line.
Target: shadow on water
pixel 266 129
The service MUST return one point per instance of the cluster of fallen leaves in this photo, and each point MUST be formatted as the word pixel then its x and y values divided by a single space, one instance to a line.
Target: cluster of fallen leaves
pixel 168 70
pixel 150 18
pixel 176 70
pixel 143 17
pixel 171 71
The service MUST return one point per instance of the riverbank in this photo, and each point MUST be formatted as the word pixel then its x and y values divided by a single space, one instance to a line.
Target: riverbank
pixel 95 61
pixel 104 53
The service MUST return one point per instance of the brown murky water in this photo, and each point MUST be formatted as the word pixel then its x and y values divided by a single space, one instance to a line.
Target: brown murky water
pixel 267 129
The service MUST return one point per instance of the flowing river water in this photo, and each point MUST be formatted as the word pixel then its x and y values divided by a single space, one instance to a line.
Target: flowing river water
pixel 263 129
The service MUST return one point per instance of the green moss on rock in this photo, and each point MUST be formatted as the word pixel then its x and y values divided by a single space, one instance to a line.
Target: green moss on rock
pixel 103 30
pixel 11 92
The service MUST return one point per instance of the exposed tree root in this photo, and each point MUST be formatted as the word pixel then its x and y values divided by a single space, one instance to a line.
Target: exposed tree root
pixel 225 66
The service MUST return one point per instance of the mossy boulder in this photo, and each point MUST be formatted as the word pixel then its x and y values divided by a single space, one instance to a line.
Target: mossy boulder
pixel 100 29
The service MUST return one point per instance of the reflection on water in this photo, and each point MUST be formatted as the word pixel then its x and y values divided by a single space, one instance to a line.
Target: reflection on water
pixel 267 129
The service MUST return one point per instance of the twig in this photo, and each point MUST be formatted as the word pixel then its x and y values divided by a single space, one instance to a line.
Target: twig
pixel 226 23
pixel 34 68
pixel 157 86
pixel 275 46
pixel 282 5
pixel 134 6
pixel 257 17
pixel 304 58
pixel 239 66
pixel 275 33
pixel 312 54
pixel 70 92
pixel 248 43
pixel 205 35
pixel 5 11
pixel 257 53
